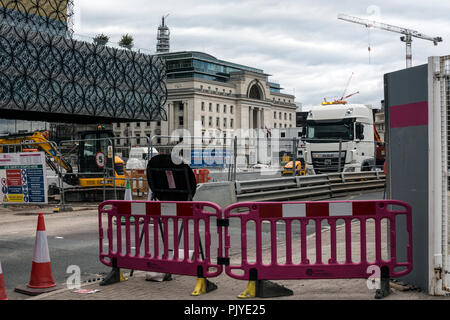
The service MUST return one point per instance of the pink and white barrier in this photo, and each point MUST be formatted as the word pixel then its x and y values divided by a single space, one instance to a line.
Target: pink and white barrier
pixel 176 238
pixel 317 211
pixel 171 231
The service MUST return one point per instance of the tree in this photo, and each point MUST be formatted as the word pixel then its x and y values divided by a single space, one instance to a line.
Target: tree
pixel 126 41
pixel 101 39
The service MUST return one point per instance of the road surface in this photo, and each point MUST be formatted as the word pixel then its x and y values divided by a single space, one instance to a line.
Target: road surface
pixel 72 238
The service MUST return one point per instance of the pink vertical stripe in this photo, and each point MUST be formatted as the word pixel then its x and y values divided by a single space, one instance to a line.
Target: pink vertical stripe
pixel 408 115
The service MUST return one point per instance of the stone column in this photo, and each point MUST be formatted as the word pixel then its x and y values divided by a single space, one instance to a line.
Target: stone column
pixel 258 118
pixel 250 117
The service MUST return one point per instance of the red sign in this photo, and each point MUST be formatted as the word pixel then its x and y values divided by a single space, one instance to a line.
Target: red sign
pixel 14 177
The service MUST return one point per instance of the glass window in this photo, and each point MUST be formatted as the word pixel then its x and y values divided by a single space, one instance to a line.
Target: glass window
pixel 330 130
pixel 210 107
pixel 274 114
pixel 217 108
pixel 217 122
pixel 203 120
pixel 210 121
pixel 203 106
pixel 224 122
pixel 231 109
pixel 224 108
pixel 231 123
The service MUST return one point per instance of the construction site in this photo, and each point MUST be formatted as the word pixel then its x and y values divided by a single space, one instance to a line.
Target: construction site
pixel 137 174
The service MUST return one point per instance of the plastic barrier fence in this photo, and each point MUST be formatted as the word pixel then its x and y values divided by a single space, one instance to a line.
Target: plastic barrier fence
pixel 159 236
pixel 349 214
pixel 201 175
pixel 351 237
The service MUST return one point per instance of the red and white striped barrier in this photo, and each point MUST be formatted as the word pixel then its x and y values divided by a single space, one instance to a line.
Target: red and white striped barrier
pixel 318 212
pixel 317 209
pixel 159 248
pixel 170 227
pixel 155 208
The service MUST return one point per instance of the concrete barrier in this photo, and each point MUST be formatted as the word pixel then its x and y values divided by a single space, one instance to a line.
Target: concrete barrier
pixel 222 193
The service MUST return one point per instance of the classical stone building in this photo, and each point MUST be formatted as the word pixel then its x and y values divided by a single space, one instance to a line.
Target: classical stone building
pixel 208 94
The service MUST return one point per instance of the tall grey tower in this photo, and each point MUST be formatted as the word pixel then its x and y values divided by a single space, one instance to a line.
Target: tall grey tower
pixel 163 44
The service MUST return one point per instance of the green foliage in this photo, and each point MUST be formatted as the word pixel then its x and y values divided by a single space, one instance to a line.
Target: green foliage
pixel 101 39
pixel 126 41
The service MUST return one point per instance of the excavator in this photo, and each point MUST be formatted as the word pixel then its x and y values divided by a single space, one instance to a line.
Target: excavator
pixel 93 178
pixel 380 150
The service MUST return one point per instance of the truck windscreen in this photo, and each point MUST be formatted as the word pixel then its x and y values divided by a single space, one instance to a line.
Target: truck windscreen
pixel 333 130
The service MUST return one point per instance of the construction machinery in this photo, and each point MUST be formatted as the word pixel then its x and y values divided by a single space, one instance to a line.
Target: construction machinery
pixel 300 168
pixel 407 37
pixel 341 100
pixel 95 177
pixel 380 149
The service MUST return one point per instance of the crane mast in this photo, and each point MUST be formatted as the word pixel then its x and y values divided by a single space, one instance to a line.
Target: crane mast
pixel 408 34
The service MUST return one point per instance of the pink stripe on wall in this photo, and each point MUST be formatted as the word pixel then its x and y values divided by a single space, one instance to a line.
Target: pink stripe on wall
pixel 408 115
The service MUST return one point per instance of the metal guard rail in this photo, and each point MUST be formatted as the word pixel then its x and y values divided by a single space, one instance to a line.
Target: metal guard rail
pixel 321 186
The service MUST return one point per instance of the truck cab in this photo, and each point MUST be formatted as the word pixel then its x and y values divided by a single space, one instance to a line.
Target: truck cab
pixel 339 138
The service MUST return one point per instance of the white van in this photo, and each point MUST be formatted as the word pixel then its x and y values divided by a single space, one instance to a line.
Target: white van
pixel 139 157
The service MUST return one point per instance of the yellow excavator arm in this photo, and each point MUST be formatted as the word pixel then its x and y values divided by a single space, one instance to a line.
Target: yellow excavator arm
pixel 39 141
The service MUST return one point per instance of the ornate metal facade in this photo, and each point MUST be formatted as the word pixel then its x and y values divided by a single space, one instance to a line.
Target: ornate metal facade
pixel 54 77
pixel 53 16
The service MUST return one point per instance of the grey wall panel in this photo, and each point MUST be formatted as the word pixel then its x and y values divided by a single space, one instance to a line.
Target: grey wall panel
pixel 409 178
pixel 407 152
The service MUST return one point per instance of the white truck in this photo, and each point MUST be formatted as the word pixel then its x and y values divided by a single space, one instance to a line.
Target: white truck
pixel 139 157
pixel 339 138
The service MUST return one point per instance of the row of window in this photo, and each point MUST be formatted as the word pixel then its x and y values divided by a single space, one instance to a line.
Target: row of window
pixel 218 109
pixel 217 90
pixel 218 122
pixel 280 114
pixel 137 124
pixel 136 140
pixel 281 125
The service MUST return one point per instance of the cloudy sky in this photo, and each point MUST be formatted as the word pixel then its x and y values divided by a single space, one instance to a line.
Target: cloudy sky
pixel 300 43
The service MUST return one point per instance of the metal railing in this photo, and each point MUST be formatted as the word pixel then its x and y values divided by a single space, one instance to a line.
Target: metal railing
pixel 312 187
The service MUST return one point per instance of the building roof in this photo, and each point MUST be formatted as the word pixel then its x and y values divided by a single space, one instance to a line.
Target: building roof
pixel 208 58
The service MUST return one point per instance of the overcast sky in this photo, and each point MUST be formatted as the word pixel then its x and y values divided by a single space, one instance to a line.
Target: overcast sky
pixel 300 43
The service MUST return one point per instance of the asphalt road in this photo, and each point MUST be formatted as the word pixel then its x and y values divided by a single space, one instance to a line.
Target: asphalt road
pixel 72 239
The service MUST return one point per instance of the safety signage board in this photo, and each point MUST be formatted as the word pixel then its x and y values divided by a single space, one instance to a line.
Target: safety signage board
pixel 23 178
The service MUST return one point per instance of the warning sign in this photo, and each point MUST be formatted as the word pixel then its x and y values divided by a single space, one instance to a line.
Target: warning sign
pixel 100 159
pixel 23 178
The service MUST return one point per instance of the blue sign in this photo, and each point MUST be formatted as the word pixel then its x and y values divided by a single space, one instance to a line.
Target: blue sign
pixel 216 158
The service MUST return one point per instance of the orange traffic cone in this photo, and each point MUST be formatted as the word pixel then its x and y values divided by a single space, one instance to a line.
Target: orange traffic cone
pixel 2 285
pixel 41 273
